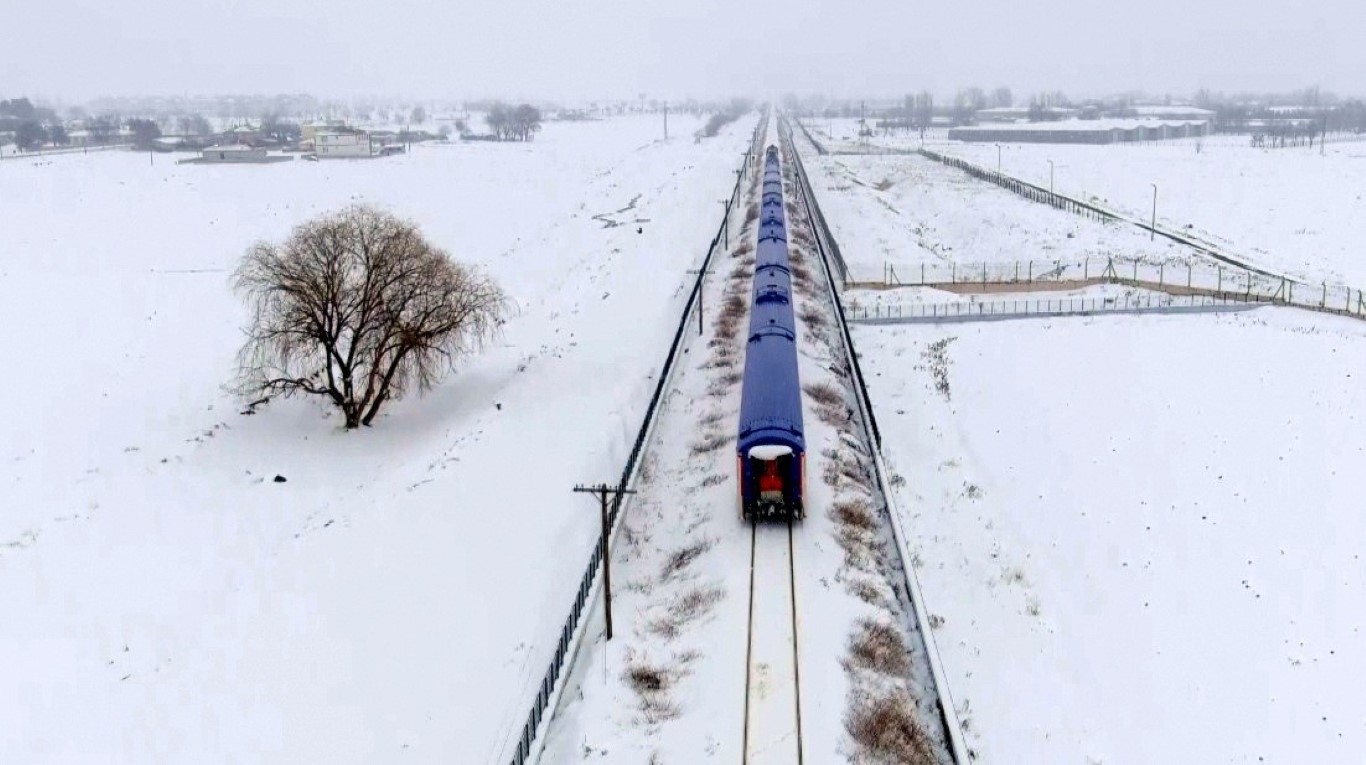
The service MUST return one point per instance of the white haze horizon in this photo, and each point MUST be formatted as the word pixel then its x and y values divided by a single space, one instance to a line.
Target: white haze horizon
pixel 618 50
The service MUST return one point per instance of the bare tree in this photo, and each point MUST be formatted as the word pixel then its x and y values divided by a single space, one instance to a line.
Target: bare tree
pixel 359 308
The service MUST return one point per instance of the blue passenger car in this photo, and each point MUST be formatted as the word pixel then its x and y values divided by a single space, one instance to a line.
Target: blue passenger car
pixel 771 447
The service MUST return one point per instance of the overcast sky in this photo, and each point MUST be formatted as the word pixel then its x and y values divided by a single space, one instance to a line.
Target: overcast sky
pixel 583 49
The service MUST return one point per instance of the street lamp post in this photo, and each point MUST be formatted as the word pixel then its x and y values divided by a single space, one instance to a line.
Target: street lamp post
pixel 1050 176
pixel 1152 230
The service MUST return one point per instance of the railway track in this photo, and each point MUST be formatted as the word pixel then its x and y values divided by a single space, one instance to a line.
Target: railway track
pixel 773 696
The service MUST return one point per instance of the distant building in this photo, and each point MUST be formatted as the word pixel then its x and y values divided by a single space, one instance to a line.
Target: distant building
pixel 1019 113
pixel 233 153
pixel 342 144
pixel 309 131
pixel 1082 131
pixel 245 134
pixel 1173 112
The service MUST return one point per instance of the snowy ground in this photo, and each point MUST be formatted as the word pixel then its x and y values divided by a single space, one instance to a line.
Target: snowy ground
pixel 1142 534
pixel 903 210
pixel 167 599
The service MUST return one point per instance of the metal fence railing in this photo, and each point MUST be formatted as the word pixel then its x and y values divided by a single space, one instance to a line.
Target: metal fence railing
pixel 826 248
pixel 988 310
pixel 1191 277
pixel 531 737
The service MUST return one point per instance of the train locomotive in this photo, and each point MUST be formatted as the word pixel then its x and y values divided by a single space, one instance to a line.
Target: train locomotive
pixel 771 447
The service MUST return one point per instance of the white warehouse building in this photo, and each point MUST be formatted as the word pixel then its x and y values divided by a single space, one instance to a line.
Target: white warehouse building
pixel 350 143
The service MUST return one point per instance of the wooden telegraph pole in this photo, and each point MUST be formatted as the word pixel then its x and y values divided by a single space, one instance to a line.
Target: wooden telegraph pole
pixel 603 491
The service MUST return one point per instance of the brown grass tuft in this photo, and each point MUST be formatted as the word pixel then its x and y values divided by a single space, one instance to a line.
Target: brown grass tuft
pixel 682 558
pixel 886 728
pixel 824 394
pixel 854 513
pixel 878 647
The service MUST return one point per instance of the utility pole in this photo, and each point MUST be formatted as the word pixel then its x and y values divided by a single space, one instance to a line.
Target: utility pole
pixel 666 120
pixel 701 290
pixel 1152 231
pixel 603 490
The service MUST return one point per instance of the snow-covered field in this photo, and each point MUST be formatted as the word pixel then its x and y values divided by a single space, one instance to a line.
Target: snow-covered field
pixel 1291 210
pixel 397 597
pixel 1296 210
pixel 903 211
pixel 1142 534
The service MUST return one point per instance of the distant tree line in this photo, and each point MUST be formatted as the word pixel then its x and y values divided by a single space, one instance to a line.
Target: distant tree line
pixel 513 123
pixel 726 115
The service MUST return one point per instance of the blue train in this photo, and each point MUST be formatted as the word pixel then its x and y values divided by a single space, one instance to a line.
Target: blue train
pixel 771 448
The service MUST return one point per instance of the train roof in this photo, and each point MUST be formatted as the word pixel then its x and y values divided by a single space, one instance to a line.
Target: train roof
pixel 771 404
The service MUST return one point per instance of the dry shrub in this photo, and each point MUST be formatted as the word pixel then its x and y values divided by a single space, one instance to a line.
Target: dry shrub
pixel 867 591
pixel 743 249
pixel 722 384
pixel 937 357
pixel 644 678
pixel 696 602
pixel 715 479
pixel 711 418
pixel 741 272
pixel 878 647
pixel 824 394
pixel 651 684
pixel 830 473
pixel 734 307
pixel 752 214
pixel 884 726
pixel 710 442
pixel 812 317
pixel 854 513
pixel 800 273
pixel 692 605
pixel 682 558
pixel 860 548
pixel 853 470
pixel 883 184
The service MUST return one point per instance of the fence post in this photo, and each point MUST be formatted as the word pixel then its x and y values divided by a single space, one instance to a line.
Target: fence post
pixel 1188 274
pixel 1161 272
pixel 1031 272
pixel 953 272
pixel 1221 279
pixel 922 274
pixel 1086 269
pixel 1135 270
pixel 1324 302
pixel 984 276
